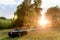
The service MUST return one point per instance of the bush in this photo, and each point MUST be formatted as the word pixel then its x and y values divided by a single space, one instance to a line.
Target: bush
pixel 6 24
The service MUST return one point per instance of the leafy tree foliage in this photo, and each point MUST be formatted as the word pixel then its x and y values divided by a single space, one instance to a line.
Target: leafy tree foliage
pixel 27 16
pixel 53 14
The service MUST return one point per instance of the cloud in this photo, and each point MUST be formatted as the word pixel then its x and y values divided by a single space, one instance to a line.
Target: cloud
pixel 10 2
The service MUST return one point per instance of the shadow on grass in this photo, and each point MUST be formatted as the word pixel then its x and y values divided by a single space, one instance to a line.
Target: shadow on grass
pixel 8 38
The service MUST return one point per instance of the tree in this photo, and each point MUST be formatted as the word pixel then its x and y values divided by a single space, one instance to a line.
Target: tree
pixel 27 16
pixel 53 14
pixel 2 18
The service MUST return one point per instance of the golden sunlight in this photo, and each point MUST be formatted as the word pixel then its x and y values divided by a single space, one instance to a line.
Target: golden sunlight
pixel 43 21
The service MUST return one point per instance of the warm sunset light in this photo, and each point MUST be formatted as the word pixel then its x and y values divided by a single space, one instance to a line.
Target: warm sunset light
pixel 43 21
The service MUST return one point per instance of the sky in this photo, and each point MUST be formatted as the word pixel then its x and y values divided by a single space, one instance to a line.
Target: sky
pixel 8 7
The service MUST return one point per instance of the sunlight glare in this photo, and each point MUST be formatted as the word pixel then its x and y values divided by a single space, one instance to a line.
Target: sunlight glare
pixel 43 21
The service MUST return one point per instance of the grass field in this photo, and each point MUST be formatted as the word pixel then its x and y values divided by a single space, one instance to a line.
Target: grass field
pixel 32 35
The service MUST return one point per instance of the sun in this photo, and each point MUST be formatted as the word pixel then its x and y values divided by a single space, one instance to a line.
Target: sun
pixel 43 21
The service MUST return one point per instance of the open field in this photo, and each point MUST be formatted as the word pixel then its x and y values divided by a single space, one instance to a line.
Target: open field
pixel 32 35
